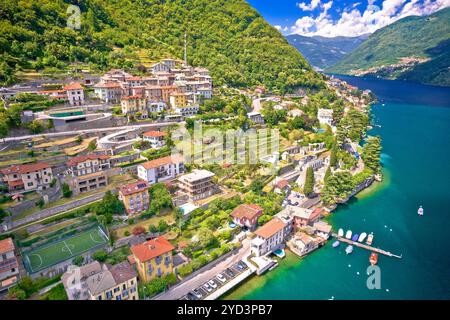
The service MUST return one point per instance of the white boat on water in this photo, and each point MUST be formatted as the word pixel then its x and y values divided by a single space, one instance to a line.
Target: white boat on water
pixel 369 239
pixel 349 249
pixel 341 232
pixel 348 235
pixel 362 236
pixel 420 211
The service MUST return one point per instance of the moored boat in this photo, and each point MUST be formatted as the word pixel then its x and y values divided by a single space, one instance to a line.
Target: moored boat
pixel 349 249
pixel 335 244
pixel 355 237
pixel 420 211
pixel 348 235
pixel 341 232
pixel 362 237
pixel 373 258
pixel 369 239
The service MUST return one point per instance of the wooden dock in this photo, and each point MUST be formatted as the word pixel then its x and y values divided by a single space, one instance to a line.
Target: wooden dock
pixel 365 246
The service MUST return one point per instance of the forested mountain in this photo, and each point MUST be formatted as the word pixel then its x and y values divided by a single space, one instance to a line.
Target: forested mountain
pixel 413 48
pixel 323 52
pixel 227 36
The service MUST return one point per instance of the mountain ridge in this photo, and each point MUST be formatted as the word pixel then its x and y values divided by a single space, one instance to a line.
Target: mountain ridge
pixel 414 48
pixel 323 52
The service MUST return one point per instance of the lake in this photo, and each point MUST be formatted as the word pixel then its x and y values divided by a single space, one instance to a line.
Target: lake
pixel 413 121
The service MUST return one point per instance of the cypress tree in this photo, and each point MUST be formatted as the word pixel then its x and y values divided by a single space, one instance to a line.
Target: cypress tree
pixel 308 188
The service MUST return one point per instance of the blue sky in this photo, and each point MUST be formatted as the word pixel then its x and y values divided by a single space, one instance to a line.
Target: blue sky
pixel 340 17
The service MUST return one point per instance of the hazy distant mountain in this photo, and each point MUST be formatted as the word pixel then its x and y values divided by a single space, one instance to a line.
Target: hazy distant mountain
pixel 323 52
pixel 413 48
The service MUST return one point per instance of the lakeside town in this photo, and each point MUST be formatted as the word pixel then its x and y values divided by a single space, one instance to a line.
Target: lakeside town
pixel 95 204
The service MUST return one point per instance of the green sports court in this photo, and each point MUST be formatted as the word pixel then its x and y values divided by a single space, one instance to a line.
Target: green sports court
pixel 68 248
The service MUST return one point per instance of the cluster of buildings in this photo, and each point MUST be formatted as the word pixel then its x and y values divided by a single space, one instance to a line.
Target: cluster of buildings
pixel 291 225
pixel 171 85
pixel 95 281
pixel 27 177
pixel 9 266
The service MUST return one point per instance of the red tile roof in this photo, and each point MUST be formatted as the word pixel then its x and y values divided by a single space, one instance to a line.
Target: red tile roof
pixel 73 86
pixel 76 160
pixel 281 184
pixel 151 249
pixel 134 78
pixel 133 97
pixel 316 213
pixel 134 187
pixel 270 228
pixel 109 85
pixel 154 134
pixel 161 161
pixel 15 183
pixel 25 168
pixel 6 245
pixel 247 211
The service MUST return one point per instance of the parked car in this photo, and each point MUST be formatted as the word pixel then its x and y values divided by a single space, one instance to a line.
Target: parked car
pixel 221 278
pixel 229 272
pixel 239 267
pixel 243 264
pixel 197 293
pixel 191 296
pixel 212 284
pixel 207 287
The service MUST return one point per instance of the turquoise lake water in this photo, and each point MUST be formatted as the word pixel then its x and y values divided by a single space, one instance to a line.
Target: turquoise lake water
pixel 414 124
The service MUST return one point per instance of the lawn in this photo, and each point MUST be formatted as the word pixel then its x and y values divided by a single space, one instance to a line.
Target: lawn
pixel 120 232
pixel 59 251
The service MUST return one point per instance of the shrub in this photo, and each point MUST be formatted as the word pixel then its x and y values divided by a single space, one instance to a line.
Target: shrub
pixel 100 255
pixel 138 230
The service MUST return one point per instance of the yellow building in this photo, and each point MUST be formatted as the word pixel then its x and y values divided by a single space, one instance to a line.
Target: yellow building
pixel 133 104
pixel 153 258
pixel 178 100
pixel 166 91
pixel 135 197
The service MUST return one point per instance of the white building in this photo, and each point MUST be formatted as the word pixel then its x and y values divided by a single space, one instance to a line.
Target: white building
pixel 256 117
pixel 187 111
pixel 270 236
pixel 325 116
pixel 198 184
pixel 75 94
pixel 156 138
pixel 161 169
pixel 108 91
pixel 160 67
pixel 156 106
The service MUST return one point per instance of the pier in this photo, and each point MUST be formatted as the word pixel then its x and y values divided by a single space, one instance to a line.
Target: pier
pixel 365 246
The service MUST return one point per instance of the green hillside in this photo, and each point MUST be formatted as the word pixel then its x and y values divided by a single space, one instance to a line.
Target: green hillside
pixel 227 36
pixel 411 37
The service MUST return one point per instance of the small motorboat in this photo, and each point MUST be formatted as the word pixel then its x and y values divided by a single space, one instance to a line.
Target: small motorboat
pixel 348 235
pixel 341 232
pixel 369 239
pixel 355 237
pixel 362 237
pixel 349 249
pixel 420 211
pixel 336 244
pixel 373 258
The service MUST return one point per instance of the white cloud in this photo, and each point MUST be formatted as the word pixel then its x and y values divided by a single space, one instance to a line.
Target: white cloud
pixel 281 29
pixel 353 23
pixel 309 7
